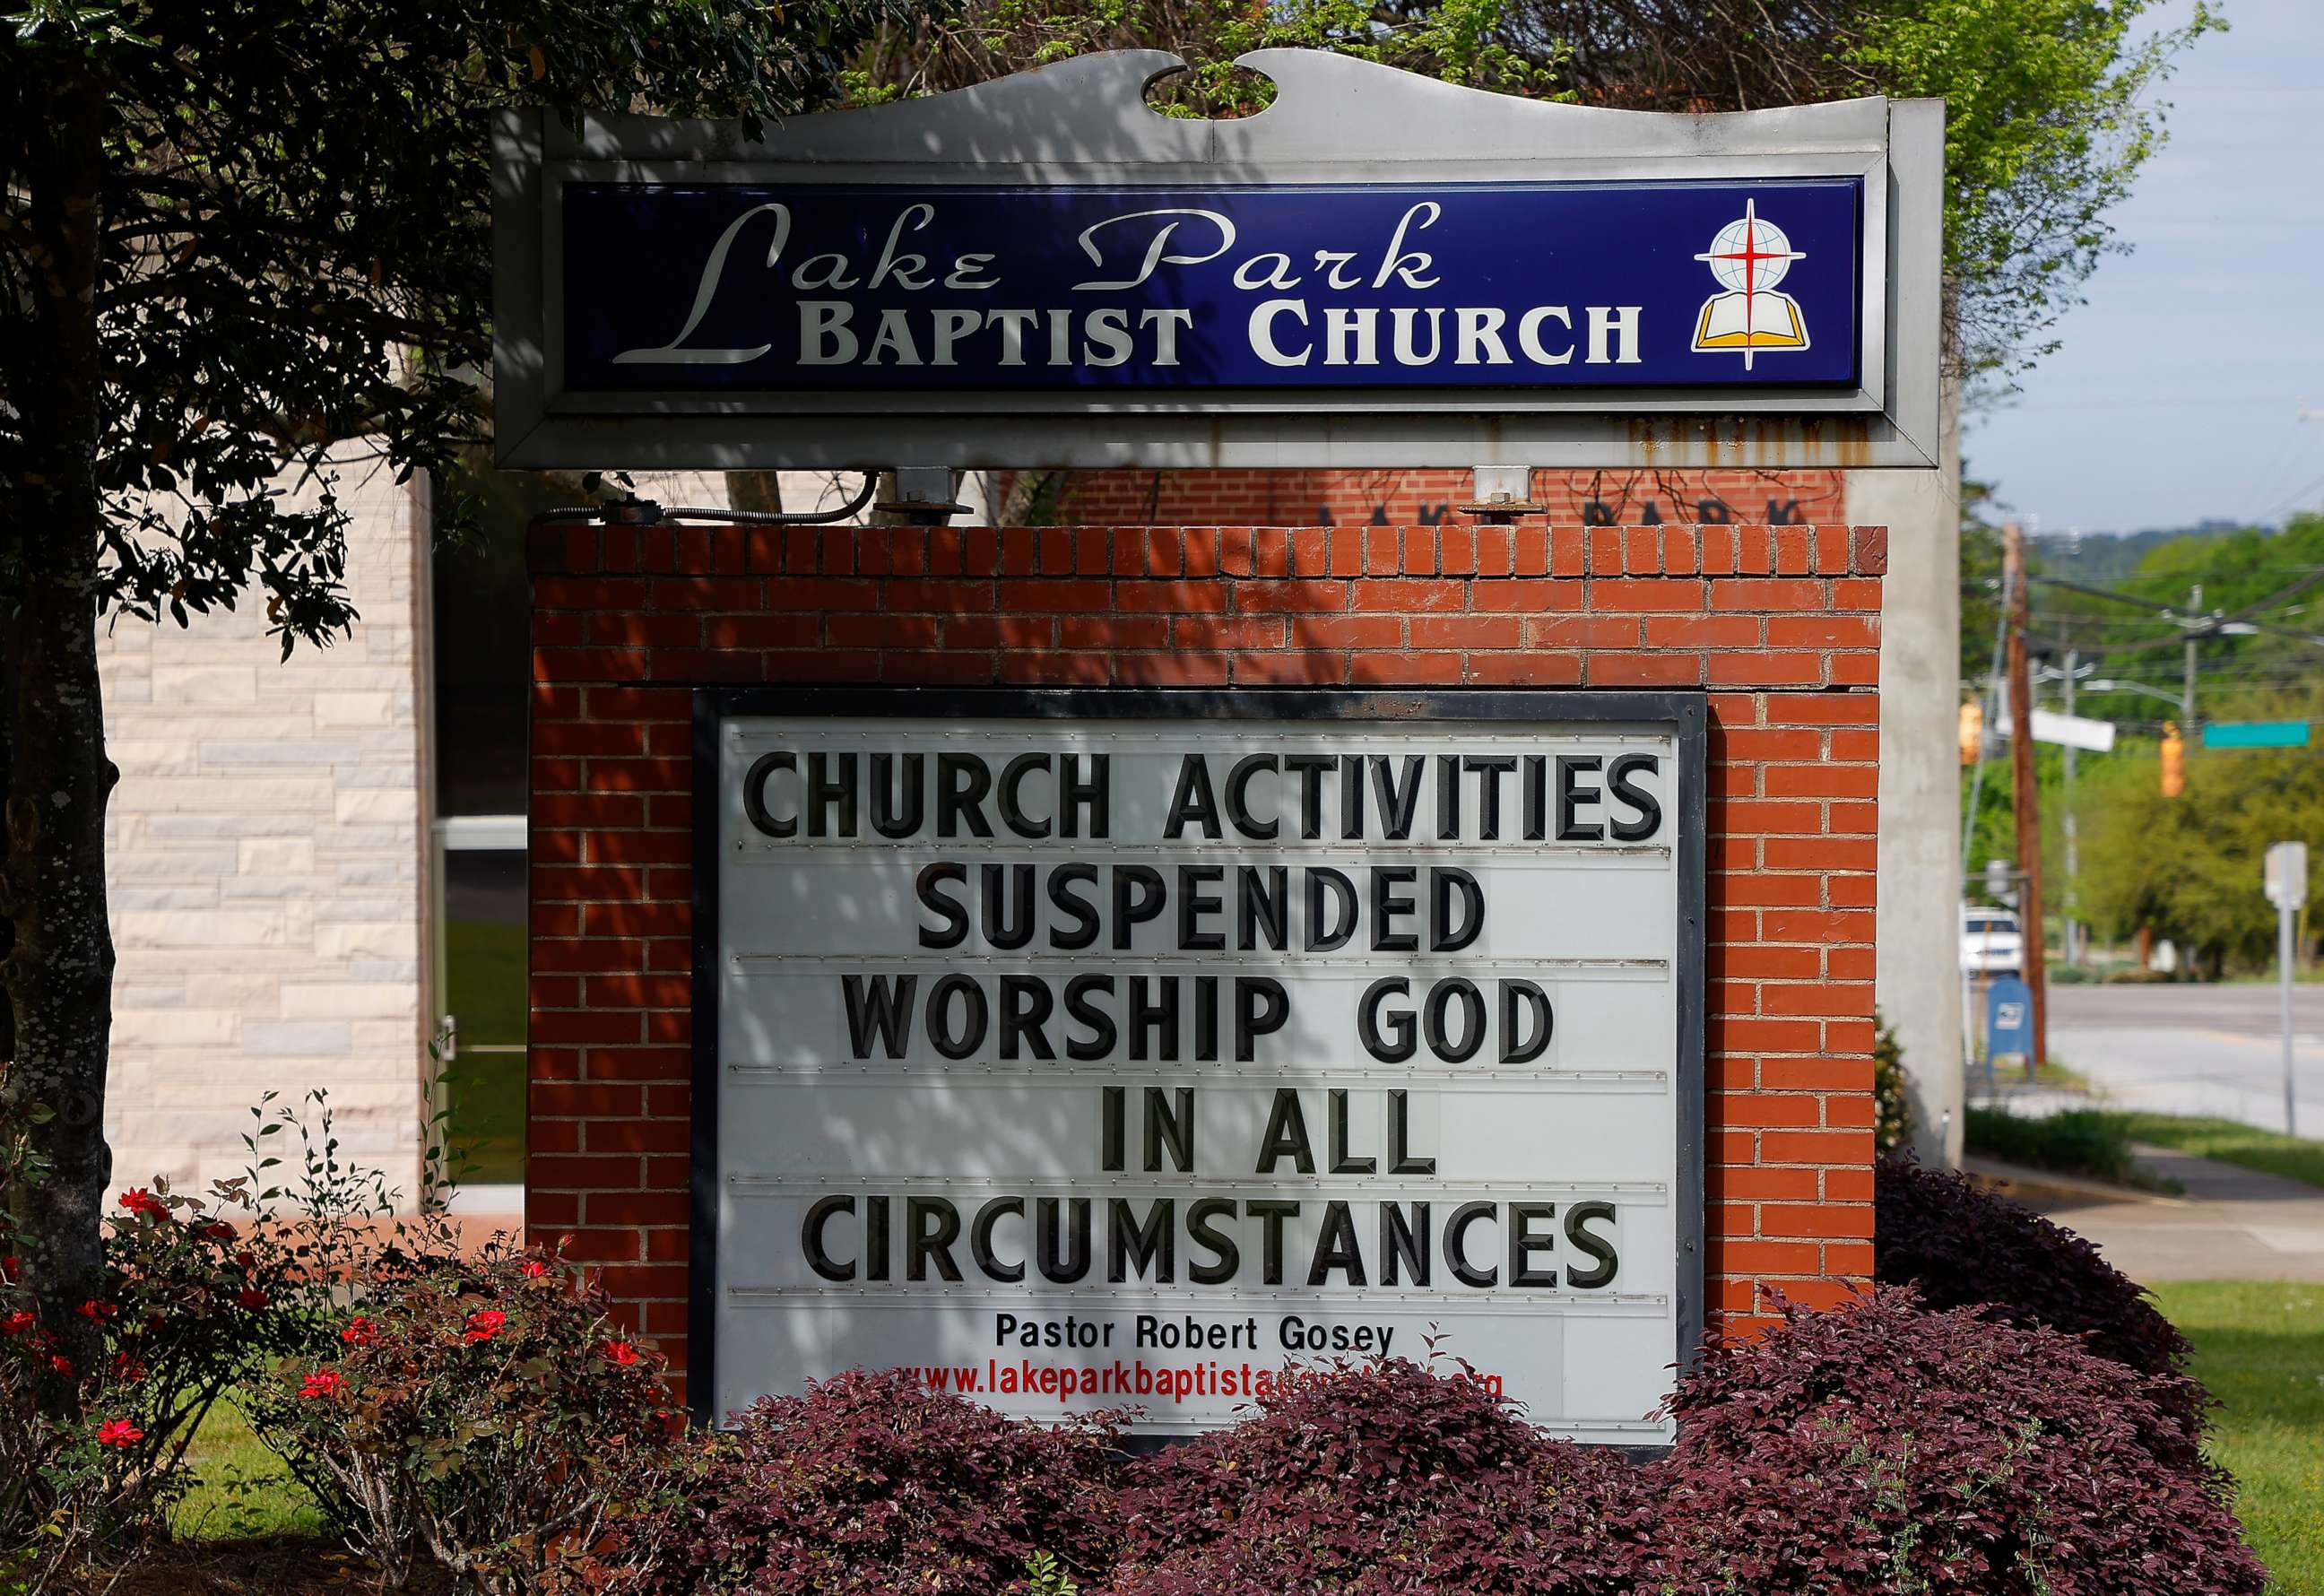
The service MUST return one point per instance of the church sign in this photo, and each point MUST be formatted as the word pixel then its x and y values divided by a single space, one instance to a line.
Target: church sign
pixel 1378 270
pixel 735 289
pixel 1080 1050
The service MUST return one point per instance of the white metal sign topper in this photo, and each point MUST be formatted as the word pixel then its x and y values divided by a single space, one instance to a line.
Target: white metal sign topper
pixel 1093 1049
pixel 1380 269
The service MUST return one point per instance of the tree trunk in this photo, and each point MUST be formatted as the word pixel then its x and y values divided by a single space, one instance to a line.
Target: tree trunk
pixel 57 971
pixel 758 491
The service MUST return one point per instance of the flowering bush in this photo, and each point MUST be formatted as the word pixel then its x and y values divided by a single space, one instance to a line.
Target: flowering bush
pixel 485 1410
pixel 100 1397
pixel 1957 1246
pixel 870 1484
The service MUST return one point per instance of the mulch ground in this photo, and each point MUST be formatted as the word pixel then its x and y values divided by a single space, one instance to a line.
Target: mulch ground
pixel 278 1565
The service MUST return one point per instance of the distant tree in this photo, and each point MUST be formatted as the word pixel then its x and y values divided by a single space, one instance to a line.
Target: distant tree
pixel 2190 867
pixel 2268 582
pixel 234 236
pixel 1980 576
pixel 2273 578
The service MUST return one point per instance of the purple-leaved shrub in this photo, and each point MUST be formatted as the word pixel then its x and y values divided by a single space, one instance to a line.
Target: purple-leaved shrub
pixel 1958 1246
pixel 870 1485
pixel 1878 1446
pixel 1380 1478
pixel 1884 1447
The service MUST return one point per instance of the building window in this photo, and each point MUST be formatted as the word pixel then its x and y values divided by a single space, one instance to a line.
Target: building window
pixel 480 647
pixel 480 980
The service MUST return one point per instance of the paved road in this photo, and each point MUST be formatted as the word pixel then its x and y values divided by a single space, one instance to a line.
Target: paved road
pixel 2194 1049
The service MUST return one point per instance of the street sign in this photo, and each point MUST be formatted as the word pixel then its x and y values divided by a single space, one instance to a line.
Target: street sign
pixel 2287 875
pixel 1078 1050
pixel 2256 734
pixel 1999 875
pixel 2071 730
pixel 2008 1018
pixel 1383 270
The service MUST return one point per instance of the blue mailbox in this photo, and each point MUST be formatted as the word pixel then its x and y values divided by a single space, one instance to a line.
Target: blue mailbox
pixel 2008 1018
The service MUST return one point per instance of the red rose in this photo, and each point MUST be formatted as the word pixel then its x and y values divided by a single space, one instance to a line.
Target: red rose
pixel 360 1332
pixel 11 1266
pixel 245 1261
pixel 140 1201
pixel 127 1369
pixel 620 1352
pixel 534 1269
pixel 484 1325
pixel 95 1312
pixel 119 1431
pixel 221 1232
pixel 250 1298
pixel 17 1323
pixel 323 1382
pixel 61 1364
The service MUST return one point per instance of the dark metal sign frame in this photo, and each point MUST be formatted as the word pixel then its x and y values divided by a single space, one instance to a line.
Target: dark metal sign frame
pixel 1684 714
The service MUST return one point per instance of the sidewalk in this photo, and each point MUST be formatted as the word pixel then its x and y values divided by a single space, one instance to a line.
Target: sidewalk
pixel 2229 1223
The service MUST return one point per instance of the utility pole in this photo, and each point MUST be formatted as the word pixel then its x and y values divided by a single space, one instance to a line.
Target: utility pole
pixel 2187 689
pixel 2069 949
pixel 2024 795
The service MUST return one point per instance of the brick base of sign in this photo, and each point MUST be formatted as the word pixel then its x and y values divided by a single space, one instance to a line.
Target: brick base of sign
pixel 1426 497
pixel 1779 625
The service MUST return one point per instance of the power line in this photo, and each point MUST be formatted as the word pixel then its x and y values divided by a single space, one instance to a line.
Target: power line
pixel 2120 598
pixel 2298 494
pixel 2176 401
pixel 2196 573
pixel 2275 600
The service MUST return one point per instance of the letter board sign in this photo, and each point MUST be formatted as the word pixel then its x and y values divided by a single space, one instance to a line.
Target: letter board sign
pixel 1089 1049
pixel 1043 270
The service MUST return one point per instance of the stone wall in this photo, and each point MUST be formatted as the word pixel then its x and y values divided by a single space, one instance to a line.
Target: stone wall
pixel 266 869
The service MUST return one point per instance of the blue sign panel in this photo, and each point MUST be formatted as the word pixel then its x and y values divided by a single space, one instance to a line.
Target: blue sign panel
pixel 1728 285
pixel 2256 734
pixel 2008 1018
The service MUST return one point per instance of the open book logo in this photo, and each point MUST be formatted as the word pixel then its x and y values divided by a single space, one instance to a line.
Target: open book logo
pixel 1750 257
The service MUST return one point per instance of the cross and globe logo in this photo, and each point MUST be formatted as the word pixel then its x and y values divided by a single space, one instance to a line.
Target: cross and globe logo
pixel 1748 257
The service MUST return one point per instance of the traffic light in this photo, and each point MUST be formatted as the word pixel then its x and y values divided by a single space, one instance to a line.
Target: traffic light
pixel 2174 760
pixel 1972 731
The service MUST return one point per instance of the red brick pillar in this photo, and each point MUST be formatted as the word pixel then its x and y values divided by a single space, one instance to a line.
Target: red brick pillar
pixel 1779 625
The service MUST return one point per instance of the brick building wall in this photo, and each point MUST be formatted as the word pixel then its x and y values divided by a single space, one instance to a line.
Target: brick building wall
pixel 1426 497
pixel 1779 625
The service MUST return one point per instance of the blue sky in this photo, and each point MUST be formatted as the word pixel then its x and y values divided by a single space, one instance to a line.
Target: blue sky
pixel 2175 393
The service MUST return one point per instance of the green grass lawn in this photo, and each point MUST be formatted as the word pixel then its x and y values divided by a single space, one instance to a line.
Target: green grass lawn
pixel 2271 1151
pixel 240 1489
pixel 2096 1142
pixel 2259 1346
pixel 2084 1141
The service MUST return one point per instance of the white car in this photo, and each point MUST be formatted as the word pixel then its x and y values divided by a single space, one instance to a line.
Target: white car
pixel 1991 942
